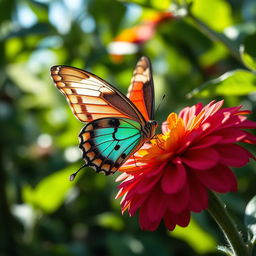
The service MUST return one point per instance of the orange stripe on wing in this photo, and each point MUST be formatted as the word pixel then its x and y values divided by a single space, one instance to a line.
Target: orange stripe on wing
pixel 135 94
pixel 141 89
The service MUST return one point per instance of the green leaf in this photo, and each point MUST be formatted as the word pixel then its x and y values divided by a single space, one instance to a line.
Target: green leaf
pixel 216 14
pixel 250 219
pixel 248 52
pixel 196 237
pixel 164 4
pixel 212 56
pixel 40 9
pixel 50 192
pixel 31 85
pixel 110 220
pixel 237 82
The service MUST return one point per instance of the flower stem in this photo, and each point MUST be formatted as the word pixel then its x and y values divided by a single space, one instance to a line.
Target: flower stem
pixel 218 211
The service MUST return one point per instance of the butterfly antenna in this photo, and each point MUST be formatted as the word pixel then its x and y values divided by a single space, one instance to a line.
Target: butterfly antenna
pixel 73 175
pixel 160 103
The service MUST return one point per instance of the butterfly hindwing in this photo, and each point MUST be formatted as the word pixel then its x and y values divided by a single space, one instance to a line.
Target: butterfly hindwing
pixel 91 97
pixel 108 142
pixel 141 89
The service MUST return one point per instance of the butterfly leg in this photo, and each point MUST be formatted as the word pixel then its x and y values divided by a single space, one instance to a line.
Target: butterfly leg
pixel 134 160
pixel 158 141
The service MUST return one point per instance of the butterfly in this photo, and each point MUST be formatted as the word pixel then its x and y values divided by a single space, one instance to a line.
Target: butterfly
pixel 116 125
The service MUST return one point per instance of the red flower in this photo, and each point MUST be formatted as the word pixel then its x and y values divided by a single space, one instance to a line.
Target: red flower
pixel 170 177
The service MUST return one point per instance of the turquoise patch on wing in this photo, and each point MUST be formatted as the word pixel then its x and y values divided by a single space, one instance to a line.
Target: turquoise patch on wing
pixel 111 143
pixel 126 147
pixel 104 131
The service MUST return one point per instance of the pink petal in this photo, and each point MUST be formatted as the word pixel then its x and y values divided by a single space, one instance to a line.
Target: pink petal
pixel 136 202
pixel 233 155
pixel 220 179
pixel 168 221
pixel 156 170
pixel 124 206
pixel 233 110
pixel 157 205
pixel 173 179
pixel 198 194
pixel 189 113
pixel 250 138
pixel 248 124
pixel 231 135
pixel 183 218
pixel 122 177
pixel 215 122
pixel 188 140
pixel 239 122
pixel 146 184
pixel 201 159
pixel 144 219
pixel 178 202
pixel 206 142
pixel 165 127
pixel 126 186
pixel 171 220
pixel 212 108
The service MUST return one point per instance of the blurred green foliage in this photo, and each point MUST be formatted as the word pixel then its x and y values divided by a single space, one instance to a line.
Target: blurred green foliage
pixel 41 212
pixel 238 82
pixel 248 51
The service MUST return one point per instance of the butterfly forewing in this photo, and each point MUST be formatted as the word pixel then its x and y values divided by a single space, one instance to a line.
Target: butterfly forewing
pixel 141 89
pixel 90 97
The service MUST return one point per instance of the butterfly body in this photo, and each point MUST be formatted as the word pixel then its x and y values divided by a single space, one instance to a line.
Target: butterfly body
pixel 117 126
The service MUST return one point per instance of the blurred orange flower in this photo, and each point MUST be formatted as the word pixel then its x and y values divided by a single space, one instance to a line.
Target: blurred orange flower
pixel 128 40
pixel 170 177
